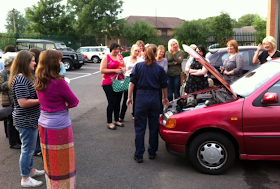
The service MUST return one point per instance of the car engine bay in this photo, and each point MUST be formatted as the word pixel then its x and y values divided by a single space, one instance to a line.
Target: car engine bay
pixel 196 101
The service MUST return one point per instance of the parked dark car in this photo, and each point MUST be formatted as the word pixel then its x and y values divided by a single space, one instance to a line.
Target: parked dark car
pixel 215 126
pixel 216 57
pixel 71 59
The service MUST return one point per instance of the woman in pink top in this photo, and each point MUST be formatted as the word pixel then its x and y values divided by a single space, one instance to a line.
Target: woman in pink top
pixel 55 128
pixel 111 66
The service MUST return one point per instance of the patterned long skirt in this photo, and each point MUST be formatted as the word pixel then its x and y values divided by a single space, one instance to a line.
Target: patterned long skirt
pixel 59 157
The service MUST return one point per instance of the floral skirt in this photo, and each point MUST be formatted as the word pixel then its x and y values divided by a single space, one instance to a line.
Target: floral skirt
pixel 59 157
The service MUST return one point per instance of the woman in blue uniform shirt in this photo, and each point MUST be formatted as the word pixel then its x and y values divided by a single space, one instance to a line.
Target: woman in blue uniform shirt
pixel 149 78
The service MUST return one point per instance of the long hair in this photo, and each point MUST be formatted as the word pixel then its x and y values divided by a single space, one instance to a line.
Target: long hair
pixel 48 68
pixel 21 66
pixel 150 56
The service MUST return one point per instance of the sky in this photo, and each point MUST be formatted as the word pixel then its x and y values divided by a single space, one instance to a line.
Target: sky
pixel 184 9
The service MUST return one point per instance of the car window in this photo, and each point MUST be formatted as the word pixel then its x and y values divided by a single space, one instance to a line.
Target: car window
pixel 84 50
pixel 50 46
pixel 92 50
pixel 222 58
pixel 254 79
pixel 245 55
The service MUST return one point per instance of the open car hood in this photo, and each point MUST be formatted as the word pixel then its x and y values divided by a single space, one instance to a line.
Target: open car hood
pixel 211 69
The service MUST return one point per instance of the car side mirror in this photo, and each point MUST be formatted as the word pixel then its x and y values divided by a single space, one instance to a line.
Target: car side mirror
pixel 270 98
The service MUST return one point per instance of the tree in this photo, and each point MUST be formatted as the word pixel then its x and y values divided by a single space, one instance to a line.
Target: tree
pixel 245 20
pixel 195 31
pixel 260 27
pixel 19 19
pixel 222 27
pixel 140 30
pixel 96 17
pixel 49 17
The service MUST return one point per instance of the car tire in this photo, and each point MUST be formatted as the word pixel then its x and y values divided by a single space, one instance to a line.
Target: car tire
pixel 95 59
pixel 68 64
pixel 212 153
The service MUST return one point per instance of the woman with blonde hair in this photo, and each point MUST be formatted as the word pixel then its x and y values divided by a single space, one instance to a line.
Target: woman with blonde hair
pixel 26 113
pixel 234 64
pixel 175 57
pixel 55 127
pixel 141 46
pixel 270 52
pixel 149 78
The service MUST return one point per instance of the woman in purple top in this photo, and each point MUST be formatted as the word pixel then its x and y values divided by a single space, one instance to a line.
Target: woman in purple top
pixel 55 129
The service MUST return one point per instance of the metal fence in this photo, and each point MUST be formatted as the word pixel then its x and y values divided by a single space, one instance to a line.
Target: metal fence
pixel 73 42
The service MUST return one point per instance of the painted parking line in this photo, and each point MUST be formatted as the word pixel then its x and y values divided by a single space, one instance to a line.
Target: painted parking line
pixel 89 74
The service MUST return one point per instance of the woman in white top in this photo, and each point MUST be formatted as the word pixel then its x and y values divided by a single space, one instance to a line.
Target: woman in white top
pixel 130 62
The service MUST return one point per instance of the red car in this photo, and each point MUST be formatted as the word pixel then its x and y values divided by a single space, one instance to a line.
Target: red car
pixel 214 126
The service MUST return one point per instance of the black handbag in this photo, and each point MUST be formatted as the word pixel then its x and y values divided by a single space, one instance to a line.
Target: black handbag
pixel 6 111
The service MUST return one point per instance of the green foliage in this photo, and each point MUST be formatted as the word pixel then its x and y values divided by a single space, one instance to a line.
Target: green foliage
pixel 222 27
pixel 49 17
pixel 96 17
pixel 20 22
pixel 245 20
pixel 140 30
pixel 125 54
pixel 195 31
pixel 260 27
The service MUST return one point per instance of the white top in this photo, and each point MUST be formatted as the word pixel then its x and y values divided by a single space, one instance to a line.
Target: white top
pixel 129 65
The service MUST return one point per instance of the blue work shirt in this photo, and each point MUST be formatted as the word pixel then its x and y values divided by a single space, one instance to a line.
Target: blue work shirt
pixel 148 77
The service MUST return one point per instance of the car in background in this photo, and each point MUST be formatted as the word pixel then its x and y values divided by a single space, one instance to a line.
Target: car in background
pixel 217 57
pixel 70 59
pixel 94 53
pixel 215 126
pixel 214 46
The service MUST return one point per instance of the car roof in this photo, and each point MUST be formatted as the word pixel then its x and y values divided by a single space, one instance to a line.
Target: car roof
pixel 37 41
pixel 94 47
pixel 225 49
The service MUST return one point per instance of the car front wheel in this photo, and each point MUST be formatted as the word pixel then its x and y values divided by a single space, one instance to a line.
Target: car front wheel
pixel 67 64
pixel 95 59
pixel 212 153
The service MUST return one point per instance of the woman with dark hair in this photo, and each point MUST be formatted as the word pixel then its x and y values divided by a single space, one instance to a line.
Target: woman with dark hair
pixel 55 128
pixel 197 74
pixel 112 66
pixel 149 78
pixel 26 113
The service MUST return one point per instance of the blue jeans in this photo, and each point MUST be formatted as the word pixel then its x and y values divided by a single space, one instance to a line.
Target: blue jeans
pixel 28 137
pixel 174 83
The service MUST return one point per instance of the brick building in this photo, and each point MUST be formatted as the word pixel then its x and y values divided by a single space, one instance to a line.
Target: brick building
pixel 273 23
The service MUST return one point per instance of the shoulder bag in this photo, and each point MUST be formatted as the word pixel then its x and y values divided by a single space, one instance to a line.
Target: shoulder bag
pixel 120 85
pixel 6 111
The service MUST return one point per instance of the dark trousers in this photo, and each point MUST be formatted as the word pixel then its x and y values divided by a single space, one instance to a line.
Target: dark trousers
pixel 146 108
pixel 114 100
pixel 12 133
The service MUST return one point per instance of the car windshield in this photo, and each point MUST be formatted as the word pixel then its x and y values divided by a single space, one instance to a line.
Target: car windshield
pixel 60 46
pixel 254 79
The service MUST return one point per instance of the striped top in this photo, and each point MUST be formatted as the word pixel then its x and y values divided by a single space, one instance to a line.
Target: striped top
pixel 24 117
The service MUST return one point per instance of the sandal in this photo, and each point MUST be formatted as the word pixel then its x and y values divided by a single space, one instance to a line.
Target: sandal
pixel 119 124
pixel 111 126
pixel 121 120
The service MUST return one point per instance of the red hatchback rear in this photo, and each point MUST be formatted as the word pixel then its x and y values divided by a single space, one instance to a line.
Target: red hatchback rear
pixel 216 125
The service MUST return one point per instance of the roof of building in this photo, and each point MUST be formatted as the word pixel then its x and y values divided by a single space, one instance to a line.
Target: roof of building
pixel 245 29
pixel 157 22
